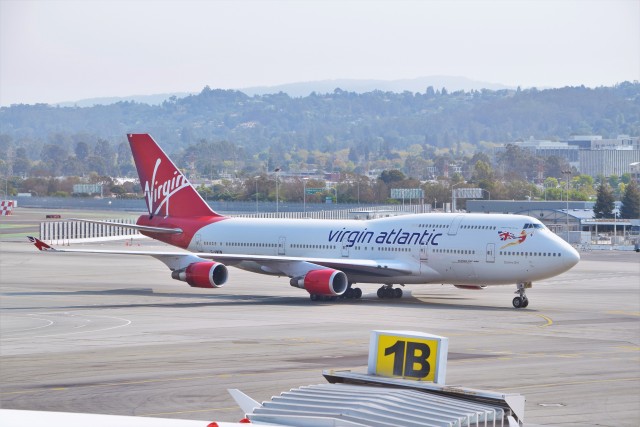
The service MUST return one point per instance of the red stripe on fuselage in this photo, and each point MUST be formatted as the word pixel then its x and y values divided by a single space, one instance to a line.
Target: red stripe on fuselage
pixel 189 226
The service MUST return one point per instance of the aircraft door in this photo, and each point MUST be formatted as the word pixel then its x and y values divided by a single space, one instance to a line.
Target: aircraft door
pixel 345 250
pixel 424 253
pixel 199 246
pixel 282 241
pixel 455 224
pixel 491 252
pixel 424 258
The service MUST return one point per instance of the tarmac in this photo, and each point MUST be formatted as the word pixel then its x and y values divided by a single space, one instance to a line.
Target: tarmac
pixel 116 335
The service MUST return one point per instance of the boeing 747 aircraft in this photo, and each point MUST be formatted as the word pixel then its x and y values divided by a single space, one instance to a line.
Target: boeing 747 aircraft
pixel 328 257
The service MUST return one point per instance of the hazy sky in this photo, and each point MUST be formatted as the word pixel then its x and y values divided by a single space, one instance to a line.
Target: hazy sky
pixel 54 50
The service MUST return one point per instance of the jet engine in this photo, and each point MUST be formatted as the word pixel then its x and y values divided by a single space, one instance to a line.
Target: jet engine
pixel 327 282
pixel 203 274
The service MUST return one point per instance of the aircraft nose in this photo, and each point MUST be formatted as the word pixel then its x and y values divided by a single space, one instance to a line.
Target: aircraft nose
pixel 571 257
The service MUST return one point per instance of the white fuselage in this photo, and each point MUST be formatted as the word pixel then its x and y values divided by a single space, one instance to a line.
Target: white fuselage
pixel 465 249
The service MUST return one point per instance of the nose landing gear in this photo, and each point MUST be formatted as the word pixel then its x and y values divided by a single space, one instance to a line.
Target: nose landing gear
pixel 521 301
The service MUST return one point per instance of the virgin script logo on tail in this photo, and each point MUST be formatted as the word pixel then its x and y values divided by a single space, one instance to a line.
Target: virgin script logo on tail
pixel 162 192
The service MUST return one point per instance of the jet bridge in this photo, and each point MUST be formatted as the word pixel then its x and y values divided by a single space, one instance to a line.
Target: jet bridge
pixel 351 405
pixel 404 386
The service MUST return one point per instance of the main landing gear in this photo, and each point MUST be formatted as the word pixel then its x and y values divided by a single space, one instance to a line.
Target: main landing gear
pixel 521 301
pixel 388 291
pixel 352 293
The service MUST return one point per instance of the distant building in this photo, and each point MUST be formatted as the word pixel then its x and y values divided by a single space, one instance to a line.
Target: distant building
pixel 87 189
pixel 589 154
pixel 607 162
pixel 545 148
pixel 595 142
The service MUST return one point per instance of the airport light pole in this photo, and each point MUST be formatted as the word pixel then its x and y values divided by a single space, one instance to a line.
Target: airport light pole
pixel 6 188
pixel 256 178
pixel 277 171
pixel 453 196
pixel 304 195
pixel 567 173
pixel 615 227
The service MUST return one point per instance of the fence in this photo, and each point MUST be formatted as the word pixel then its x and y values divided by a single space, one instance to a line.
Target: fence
pixel 61 232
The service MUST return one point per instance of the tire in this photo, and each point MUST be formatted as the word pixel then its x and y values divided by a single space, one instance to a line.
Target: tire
pixel 517 302
pixel 525 304
pixel 380 293
pixel 313 297
pixel 397 293
pixel 357 293
pixel 388 293
pixel 350 293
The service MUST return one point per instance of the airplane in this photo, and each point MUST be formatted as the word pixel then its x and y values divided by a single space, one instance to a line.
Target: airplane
pixel 327 257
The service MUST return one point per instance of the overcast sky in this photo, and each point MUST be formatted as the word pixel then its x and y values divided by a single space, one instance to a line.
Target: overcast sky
pixel 53 50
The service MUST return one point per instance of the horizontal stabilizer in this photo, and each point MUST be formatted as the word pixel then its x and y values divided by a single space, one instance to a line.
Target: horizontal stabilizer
pixel 42 246
pixel 146 228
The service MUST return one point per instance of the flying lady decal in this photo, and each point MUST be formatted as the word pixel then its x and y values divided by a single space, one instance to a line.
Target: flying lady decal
pixel 507 235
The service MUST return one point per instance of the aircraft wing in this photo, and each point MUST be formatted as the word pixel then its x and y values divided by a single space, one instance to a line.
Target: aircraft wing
pixel 287 265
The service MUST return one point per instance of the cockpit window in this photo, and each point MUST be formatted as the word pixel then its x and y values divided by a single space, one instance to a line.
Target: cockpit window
pixel 534 225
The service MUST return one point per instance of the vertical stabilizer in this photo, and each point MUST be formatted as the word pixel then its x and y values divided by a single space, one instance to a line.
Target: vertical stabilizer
pixel 167 191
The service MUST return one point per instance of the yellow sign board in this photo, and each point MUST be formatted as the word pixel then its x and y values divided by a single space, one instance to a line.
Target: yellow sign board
pixel 409 355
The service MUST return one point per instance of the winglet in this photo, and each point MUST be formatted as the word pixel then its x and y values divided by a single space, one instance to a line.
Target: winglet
pixel 42 246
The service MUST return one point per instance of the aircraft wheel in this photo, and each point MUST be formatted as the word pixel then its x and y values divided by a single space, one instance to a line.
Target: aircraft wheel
pixel 357 293
pixel 314 297
pixel 380 293
pixel 397 293
pixel 350 293
pixel 518 302
pixel 525 303
pixel 388 293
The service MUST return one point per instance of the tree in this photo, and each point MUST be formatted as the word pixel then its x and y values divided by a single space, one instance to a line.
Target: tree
pixel 631 201
pixel 392 176
pixel 553 166
pixel 21 163
pixel 53 156
pixel 603 208
pixel 104 151
pixel 482 172
pixel 82 151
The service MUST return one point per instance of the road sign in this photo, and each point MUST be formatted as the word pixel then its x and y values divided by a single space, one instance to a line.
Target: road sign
pixel 314 190
pixel 407 193
pixel 468 193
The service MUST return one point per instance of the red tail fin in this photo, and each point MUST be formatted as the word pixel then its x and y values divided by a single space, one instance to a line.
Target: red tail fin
pixel 167 191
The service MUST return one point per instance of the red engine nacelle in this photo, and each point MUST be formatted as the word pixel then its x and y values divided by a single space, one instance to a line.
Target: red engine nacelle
pixel 327 282
pixel 203 274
